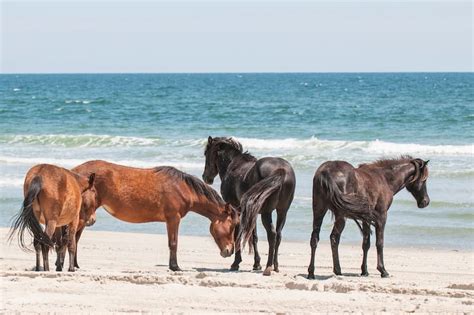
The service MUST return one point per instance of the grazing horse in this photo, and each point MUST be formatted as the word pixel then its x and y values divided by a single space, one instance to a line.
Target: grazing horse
pixel 363 194
pixel 161 194
pixel 56 197
pixel 254 186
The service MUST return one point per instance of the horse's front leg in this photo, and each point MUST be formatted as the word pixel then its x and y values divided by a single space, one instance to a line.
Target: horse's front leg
pixel 238 252
pixel 72 245
pixel 271 235
pixel 379 233
pixel 335 238
pixel 172 226
pixel 256 255
pixel 365 248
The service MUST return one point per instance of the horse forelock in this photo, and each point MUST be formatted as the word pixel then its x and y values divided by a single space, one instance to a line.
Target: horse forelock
pixel 198 186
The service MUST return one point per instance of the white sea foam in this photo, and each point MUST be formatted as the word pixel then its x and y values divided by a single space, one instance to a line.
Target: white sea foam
pixel 375 147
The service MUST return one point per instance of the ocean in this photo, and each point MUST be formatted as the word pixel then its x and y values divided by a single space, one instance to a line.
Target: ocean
pixel 146 120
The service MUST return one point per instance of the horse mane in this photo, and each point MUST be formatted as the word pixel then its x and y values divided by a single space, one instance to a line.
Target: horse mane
pixel 388 162
pixel 193 182
pixel 246 157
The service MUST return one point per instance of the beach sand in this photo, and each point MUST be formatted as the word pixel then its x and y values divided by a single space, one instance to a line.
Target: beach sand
pixel 126 272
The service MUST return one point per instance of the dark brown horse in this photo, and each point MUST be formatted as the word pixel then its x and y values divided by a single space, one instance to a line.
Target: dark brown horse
pixel 254 186
pixel 56 197
pixel 161 194
pixel 363 194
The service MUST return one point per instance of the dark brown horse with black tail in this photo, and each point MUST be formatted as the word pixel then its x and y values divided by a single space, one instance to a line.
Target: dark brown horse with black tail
pixel 254 186
pixel 161 194
pixel 363 194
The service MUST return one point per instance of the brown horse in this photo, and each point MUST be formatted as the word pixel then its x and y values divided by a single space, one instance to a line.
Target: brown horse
pixel 161 194
pixel 56 197
pixel 363 194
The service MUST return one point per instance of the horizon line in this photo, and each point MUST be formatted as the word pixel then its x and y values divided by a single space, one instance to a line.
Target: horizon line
pixel 232 72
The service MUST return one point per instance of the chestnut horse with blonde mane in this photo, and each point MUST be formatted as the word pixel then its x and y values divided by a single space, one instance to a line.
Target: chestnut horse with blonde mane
pixel 363 194
pixel 161 194
pixel 56 197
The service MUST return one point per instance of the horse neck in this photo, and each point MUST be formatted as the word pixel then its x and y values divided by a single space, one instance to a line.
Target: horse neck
pixel 223 163
pixel 397 176
pixel 208 208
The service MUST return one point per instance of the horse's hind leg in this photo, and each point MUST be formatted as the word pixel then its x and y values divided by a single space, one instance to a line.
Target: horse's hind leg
pixel 50 228
pixel 78 236
pixel 172 225
pixel 319 211
pixel 256 264
pixel 335 237
pixel 60 236
pixel 281 219
pixel 37 246
pixel 365 248
pixel 271 235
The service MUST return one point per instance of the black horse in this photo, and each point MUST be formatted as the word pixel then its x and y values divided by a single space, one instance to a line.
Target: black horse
pixel 363 194
pixel 254 186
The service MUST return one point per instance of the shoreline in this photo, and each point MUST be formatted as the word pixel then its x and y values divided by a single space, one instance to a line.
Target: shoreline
pixel 113 264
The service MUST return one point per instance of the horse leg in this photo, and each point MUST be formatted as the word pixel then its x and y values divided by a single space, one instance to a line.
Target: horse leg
pixel 37 246
pixel 238 252
pixel 60 236
pixel 365 248
pixel 281 219
pixel 78 236
pixel 71 245
pixel 379 233
pixel 50 228
pixel 172 225
pixel 271 235
pixel 256 255
pixel 335 238
pixel 318 215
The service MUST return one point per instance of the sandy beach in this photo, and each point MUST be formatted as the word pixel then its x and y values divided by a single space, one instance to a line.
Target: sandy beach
pixel 127 272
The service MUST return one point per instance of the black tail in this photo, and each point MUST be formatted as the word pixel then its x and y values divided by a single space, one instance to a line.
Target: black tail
pixel 252 201
pixel 26 220
pixel 350 206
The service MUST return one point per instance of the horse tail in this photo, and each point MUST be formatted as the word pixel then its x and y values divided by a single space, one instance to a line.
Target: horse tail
pixel 26 220
pixel 350 206
pixel 253 200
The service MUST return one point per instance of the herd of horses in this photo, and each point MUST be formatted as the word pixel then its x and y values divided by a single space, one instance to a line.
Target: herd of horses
pixel 65 201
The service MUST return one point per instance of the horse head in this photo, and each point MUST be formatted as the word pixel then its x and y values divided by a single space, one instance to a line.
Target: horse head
pixel 417 183
pixel 215 152
pixel 222 230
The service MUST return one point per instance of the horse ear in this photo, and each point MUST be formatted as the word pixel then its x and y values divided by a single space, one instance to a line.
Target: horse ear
pixel 91 180
pixel 426 162
pixel 209 140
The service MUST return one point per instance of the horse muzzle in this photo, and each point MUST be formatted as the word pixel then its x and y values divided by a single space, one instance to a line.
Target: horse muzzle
pixel 207 180
pixel 90 222
pixel 227 252
pixel 424 203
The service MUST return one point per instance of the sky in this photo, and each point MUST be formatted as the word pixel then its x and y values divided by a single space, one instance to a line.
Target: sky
pixel 71 36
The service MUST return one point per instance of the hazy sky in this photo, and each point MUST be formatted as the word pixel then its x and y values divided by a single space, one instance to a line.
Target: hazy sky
pixel 235 36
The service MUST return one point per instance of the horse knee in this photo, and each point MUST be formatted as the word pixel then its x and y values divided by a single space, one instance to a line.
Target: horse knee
pixel 314 239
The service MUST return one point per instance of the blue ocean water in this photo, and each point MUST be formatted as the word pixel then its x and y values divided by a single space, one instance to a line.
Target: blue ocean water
pixel 147 120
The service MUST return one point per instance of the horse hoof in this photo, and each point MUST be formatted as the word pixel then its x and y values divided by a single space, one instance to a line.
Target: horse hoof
pixel 364 274
pixel 71 270
pixel 175 268
pixel 257 267
pixel 311 276
pixel 337 272
pixel 59 269
pixel 234 268
pixel 385 275
pixel 268 271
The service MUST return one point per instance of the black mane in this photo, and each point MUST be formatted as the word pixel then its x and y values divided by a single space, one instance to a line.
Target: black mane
pixel 387 162
pixel 193 182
